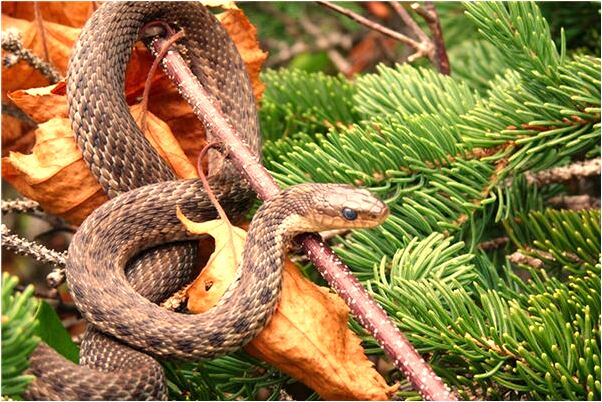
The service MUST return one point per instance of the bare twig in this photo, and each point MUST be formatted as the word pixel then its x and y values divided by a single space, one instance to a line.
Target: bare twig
pixel 41 29
pixel 376 27
pixel 11 42
pixel 560 174
pixel 575 202
pixel 28 248
pixel 409 21
pixel 441 59
pixel 425 14
pixel 433 48
pixel 369 313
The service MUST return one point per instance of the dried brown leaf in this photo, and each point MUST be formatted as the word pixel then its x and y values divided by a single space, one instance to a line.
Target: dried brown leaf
pixel 307 338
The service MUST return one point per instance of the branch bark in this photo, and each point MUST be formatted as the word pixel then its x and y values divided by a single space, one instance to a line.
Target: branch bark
pixel 368 312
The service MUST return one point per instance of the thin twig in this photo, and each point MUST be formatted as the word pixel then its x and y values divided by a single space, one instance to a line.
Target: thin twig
pixel 372 25
pixel 11 42
pixel 409 21
pixel 561 174
pixel 28 248
pixel 425 14
pixel 369 313
pixel 41 29
pixel 441 59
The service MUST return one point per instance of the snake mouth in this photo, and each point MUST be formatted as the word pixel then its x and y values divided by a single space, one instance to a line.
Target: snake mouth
pixel 377 215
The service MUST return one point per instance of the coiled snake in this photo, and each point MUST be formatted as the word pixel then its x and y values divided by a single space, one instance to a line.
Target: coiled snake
pixel 132 252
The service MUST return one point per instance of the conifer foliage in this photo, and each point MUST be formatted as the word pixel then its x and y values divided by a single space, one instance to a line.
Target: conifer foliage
pixel 451 156
pixel 448 154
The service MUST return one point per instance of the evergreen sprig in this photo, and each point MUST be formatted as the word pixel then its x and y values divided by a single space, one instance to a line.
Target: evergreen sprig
pixel 296 101
pixel 18 335
pixel 237 376
pixel 447 154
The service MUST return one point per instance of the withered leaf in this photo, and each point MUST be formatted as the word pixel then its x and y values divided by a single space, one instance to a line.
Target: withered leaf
pixel 307 338
pixel 55 175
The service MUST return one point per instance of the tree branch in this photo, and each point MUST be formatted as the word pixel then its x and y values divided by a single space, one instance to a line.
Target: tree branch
pixel 369 313
pixel 441 59
pixel 28 248
pixel 11 42
pixel 565 173
pixel 376 26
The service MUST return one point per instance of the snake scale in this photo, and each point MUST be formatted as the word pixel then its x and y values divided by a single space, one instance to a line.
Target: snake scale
pixel 132 252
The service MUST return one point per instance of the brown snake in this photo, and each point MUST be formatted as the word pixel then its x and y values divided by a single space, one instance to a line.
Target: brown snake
pixel 123 258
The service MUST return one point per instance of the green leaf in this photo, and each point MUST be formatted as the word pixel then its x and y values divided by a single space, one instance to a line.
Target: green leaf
pixel 52 332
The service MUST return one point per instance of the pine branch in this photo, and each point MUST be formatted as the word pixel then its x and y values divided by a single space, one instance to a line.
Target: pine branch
pixel 338 275
pixel 440 154
pixel 18 336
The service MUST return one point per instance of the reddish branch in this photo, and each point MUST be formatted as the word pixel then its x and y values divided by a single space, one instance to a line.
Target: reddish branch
pixel 441 60
pixel 369 313
pixel 420 47
pixel 433 48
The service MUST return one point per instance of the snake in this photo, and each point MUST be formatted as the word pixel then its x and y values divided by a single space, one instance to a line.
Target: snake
pixel 133 252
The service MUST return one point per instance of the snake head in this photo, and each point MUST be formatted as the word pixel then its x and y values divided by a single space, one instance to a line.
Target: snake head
pixel 338 206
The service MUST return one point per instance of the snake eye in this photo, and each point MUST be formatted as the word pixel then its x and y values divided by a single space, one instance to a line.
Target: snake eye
pixel 349 214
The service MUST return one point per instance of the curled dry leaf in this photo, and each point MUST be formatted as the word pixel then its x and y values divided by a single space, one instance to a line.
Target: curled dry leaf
pixel 55 175
pixel 307 338
pixel 42 104
pixel 175 118
pixel 221 267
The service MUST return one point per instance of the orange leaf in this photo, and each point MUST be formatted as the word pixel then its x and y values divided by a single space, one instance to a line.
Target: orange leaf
pixel 244 35
pixel 221 267
pixel 55 175
pixel 307 338
pixel 41 104
pixel 70 13
pixel 17 135
pixel 162 139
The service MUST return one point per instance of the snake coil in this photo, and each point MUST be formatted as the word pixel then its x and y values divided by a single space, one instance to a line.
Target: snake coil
pixel 132 252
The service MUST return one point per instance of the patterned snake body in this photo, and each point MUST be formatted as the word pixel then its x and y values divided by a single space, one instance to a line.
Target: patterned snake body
pixel 132 252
